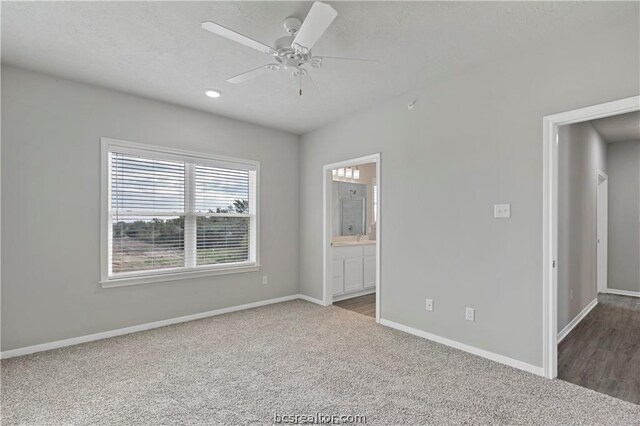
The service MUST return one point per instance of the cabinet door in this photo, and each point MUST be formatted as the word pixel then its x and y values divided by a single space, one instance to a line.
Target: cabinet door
pixel 337 268
pixel 338 276
pixel 353 274
pixel 338 285
pixel 369 271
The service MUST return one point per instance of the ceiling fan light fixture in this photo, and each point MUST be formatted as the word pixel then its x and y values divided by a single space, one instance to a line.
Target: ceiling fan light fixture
pixel 292 25
pixel 213 93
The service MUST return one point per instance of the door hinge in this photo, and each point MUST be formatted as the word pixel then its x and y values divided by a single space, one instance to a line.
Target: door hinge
pixel 553 264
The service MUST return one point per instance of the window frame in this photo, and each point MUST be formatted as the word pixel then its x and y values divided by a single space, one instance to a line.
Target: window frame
pixel 109 145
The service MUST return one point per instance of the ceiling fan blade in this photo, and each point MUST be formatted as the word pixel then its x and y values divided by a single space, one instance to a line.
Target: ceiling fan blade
pixel 249 75
pixel 320 16
pixel 237 37
pixel 347 59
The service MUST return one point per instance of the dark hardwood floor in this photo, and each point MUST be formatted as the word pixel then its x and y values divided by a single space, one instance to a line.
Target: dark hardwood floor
pixel 365 305
pixel 603 352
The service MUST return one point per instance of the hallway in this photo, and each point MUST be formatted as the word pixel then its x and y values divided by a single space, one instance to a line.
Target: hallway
pixel 603 352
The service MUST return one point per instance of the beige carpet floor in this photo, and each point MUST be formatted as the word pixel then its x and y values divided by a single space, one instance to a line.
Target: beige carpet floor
pixel 289 358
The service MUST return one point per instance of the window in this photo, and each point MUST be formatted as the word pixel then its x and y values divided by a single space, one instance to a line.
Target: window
pixel 170 213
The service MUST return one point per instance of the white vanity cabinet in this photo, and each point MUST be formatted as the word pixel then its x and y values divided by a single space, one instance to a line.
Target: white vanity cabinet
pixel 338 276
pixel 354 268
pixel 353 274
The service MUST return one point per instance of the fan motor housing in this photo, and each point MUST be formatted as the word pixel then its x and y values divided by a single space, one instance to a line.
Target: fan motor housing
pixel 287 56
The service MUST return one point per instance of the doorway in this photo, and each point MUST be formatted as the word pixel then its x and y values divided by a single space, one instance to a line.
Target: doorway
pixel 551 217
pixel 352 223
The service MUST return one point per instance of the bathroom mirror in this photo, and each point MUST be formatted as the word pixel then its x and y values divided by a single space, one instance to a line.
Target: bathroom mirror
pixel 349 208
pixel 352 216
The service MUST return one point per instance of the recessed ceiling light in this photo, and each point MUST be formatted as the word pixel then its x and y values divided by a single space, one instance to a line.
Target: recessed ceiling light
pixel 212 93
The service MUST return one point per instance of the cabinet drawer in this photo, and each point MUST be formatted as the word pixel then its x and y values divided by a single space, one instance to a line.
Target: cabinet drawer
pixel 369 250
pixel 344 252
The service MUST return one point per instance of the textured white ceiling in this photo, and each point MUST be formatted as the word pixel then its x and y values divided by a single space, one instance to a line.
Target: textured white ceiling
pixel 158 50
pixel 619 128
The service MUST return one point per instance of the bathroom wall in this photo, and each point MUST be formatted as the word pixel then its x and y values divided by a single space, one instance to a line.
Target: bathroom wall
pixel 623 168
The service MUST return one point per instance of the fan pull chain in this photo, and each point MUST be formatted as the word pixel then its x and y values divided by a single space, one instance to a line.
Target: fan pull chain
pixel 300 84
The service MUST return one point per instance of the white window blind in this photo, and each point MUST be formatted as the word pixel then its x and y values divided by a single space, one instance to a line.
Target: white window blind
pixel 224 210
pixel 147 199
pixel 171 212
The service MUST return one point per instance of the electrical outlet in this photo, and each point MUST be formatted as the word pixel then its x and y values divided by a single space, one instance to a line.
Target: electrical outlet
pixel 265 279
pixel 571 294
pixel 428 304
pixel 470 314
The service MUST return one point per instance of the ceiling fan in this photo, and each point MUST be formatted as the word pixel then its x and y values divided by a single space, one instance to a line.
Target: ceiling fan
pixel 291 53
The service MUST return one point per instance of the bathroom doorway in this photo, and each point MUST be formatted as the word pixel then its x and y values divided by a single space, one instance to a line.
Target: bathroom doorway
pixel 351 242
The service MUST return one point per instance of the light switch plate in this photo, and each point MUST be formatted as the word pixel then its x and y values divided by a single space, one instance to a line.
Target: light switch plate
pixel 470 314
pixel 502 211
pixel 428 304
pixel 265 280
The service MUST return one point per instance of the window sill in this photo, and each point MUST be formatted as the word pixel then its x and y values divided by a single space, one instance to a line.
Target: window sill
pixel 176 276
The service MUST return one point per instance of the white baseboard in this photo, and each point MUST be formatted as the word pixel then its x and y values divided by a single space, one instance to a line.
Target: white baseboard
pixel 311 299
pixel 354 294
pixel 574 322
pixel 148 326
pixel 467 348
pixel 623 292
pixel 133 329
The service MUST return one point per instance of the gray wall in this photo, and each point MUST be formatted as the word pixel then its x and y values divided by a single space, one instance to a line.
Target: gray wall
pixel 581 152
pixel 51 131
pixel 623 167
pixel 473 139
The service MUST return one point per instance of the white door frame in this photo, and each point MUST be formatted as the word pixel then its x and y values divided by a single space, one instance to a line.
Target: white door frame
pixel 327 287
pixel 602 240
pixel 550 216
